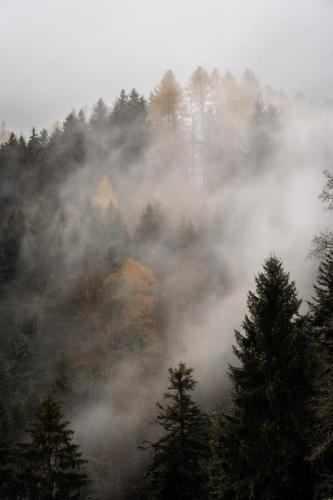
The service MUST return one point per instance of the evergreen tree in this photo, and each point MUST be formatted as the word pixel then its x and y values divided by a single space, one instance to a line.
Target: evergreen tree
pixel 177 470
pixel 322 318
pixel 6 462
pixel 322 305
pixel 99 117
pixel 51 466
pixel 149 229
pixel 34 146
pixel 137 105
pixel 187 235
pixel 73 140
pixel 130 126
pixel 119 115
pixel 62 384
pixel 263 136
pixel 263 442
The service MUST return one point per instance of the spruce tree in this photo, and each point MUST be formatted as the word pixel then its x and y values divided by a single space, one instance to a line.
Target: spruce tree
pixel 263 135
pixel 322 305
pixel 50 464
pixel 321 311
pixel 177 468
pixel 150 226
pixel 6 459
pixel 99 117
pixel 262 442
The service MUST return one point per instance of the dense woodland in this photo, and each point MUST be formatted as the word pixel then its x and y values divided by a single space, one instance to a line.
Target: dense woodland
pixel 115 238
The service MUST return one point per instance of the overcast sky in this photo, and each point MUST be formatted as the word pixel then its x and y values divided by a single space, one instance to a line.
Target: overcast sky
pixel 60 54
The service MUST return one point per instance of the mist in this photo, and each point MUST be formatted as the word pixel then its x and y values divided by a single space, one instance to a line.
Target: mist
pixel 56 56
pixel 133 225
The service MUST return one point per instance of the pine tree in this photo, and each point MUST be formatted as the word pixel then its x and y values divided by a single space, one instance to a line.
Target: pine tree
pixel 150 226
pixel 177 468
pixel 62 379
pixel 51 466
pixel 263 137
pixel 120 113
pixel 99 117
pixel 6 462
pixel 321 311
pixel 322 305
pixel 263 443
pixel 73 140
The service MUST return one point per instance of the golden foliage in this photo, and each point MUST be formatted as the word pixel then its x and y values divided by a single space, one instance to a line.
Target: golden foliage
pixel 105 197
pixel 166 101
pixel 135 286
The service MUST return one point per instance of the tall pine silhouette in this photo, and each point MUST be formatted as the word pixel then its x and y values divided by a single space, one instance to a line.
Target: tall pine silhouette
pixel 322 318
pixel 51 465
pixel 262 443
pixel 177 468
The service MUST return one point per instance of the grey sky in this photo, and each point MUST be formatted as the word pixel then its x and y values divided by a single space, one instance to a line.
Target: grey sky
pixel 59 54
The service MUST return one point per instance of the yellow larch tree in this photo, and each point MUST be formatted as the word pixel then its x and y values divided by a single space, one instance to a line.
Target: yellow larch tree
pixel 166 102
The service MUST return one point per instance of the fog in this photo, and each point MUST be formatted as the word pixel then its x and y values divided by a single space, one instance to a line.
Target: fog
pixel 64 54
pixel 225 176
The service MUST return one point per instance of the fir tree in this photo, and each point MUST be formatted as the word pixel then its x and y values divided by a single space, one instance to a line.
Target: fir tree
pixel 321 311
pixel 99 117
pixel 177 468
pixel 150 226
pixel 322 305
pixel 120 114
pixel 51 465
pixel 6 462
pixel 263 443
pixel 264 134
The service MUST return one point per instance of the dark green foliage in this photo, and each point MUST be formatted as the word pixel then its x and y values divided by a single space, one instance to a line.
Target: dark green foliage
pixel 11 233
pixel 50 465
pixel 149 229
pixel 63 376
pixel 6 462
pixel 177 468
pixel 322 305
pixel 322 320
pixel 72 148
pixel 99 117
pixel 263 438
pixel 130 127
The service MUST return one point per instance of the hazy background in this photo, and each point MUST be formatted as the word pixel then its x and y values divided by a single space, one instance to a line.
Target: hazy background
pixel 59 54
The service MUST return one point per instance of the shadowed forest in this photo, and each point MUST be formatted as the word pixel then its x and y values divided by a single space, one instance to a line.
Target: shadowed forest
pixel 134 238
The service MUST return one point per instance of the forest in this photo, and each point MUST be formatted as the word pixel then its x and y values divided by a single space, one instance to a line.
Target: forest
pixel 166 297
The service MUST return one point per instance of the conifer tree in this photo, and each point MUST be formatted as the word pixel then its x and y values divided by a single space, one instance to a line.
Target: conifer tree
pixel 322 305
pixel 6 462
pixel 262 442
pixel 99 117
pixel 264 134
pixel 150 226
pixel 321 311
pixel 120 113
pixel 177 468
pixel 51 465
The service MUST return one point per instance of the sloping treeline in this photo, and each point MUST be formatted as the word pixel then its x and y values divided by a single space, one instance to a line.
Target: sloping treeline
pixel 96 276
pixel 275 440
